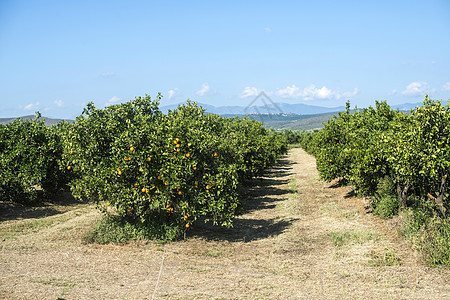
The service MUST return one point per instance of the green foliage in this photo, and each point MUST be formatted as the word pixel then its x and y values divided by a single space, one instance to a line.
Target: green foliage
pixel 149 168
pixel 385 203
pixel 397 159
pixel 431 235
pixel 115 229
pixel 364 147
pixel 30 155
pixel 151 174
pixel 420 157
pixel 293 136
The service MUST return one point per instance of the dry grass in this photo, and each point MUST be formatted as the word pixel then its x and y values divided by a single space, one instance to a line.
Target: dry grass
pixel 299 238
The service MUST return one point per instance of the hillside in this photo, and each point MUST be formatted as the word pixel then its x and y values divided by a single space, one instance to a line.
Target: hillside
pixel 299 116
pixel 48 121
pixel 290 121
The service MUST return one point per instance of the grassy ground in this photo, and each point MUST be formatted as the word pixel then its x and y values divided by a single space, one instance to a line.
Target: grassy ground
pixel 299 238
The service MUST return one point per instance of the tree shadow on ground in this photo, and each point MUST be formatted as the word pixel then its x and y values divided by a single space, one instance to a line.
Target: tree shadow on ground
pixel 259 194
pixel 57 204
pixel 350 194
pixel 337 183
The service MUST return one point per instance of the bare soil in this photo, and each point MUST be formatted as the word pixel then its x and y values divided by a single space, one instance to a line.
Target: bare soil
pixel 299 238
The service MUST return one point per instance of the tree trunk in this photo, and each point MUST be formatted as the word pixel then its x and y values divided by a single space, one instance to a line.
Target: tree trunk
pixel 439 200
pixel 402 193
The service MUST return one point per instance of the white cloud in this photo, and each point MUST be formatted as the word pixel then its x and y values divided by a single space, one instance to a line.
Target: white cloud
pixel 32 106
pixel 349 94
pixel 58 103
pixel 394 92
pixel 113 100
pixel 446 86
pixel 249 91
pixel 311 92
pixel 205 90
pixel 173 93
pixel 107 74
pixel 416 88
pixel 267 29
pixel 290 92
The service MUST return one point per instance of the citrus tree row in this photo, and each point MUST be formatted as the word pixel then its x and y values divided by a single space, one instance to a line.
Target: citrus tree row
pixel 30 156
pixel 144 166
pixel 366 147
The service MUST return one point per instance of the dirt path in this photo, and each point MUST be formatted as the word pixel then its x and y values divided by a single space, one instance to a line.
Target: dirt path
pixel 299 238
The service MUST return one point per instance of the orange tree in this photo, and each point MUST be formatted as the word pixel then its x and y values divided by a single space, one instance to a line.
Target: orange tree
pixel 421 162
pixel 421 155
pixel 163 171
pixel 370 144
pixel 30 155
pixel 253 148
pixel 354 146
pixel 401 160
pixel 330 147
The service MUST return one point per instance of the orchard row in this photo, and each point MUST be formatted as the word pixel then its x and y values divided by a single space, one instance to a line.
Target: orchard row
pixel 139 163
pixel 378 147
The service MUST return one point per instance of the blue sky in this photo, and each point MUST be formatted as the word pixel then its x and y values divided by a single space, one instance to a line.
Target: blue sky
pixel 56 56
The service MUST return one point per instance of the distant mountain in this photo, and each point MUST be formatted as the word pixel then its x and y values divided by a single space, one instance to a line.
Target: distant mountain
pixel 48 121
pixel 406 106
pixel 275 115
pixel 290 121
pixel 280 108
pixel 283 115
pixel 268 108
